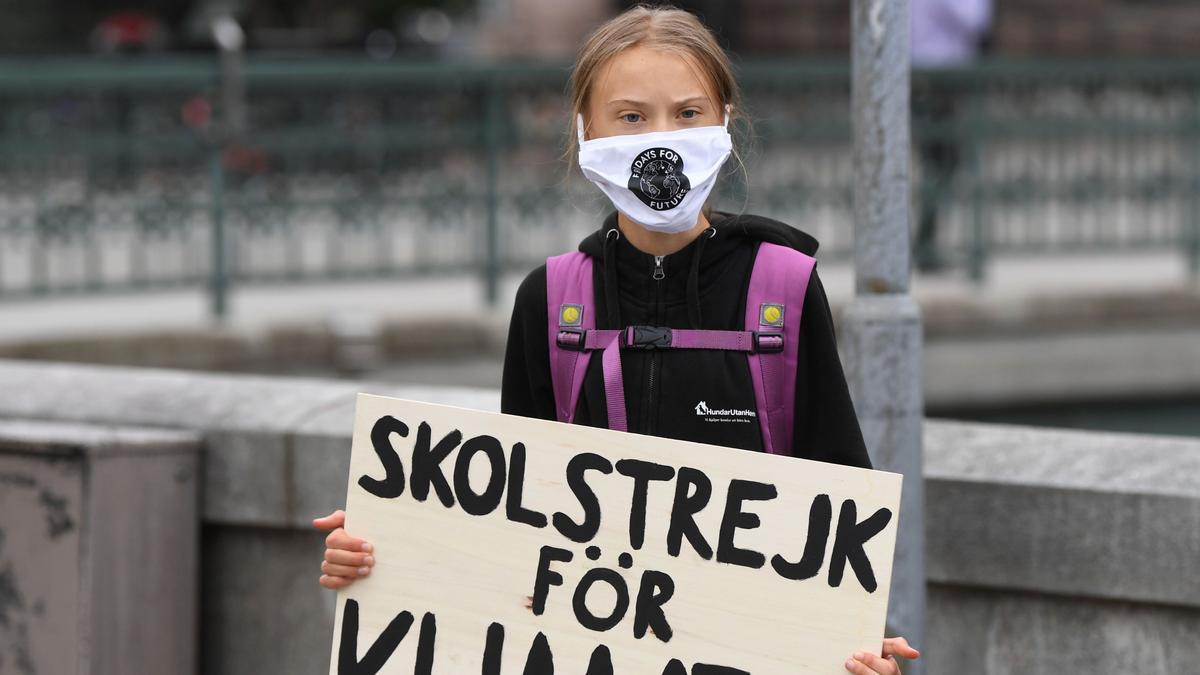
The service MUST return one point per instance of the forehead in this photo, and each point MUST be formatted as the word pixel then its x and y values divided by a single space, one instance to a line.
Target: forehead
pixel 646 74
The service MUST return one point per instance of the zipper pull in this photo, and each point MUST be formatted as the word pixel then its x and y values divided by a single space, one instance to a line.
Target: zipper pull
pixel 659 274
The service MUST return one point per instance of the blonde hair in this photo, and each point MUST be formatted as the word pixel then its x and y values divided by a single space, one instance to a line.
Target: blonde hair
pixel 665 28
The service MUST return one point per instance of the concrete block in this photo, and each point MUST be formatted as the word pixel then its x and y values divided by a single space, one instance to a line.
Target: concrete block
pixel 1098 515
pixel 256 429
pixel 160 397
pixel 98 549
pixel 247 478
pixel 320 468
pixel 998 632
pixel 263 609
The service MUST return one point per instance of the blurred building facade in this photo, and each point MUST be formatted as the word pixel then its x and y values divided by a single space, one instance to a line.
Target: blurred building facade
pixel 1064 28
pixel 546 28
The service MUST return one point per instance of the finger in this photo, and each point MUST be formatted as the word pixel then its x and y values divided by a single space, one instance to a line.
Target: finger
pixel 858 668
pixel 344 570
pixel 335 582
pixel 340 557
pixel 876 665
pixel 335 519
pixel 339 539
pixel 900 646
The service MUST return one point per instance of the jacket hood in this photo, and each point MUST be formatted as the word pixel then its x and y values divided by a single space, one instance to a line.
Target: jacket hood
pixel 631 270
pixel 728 225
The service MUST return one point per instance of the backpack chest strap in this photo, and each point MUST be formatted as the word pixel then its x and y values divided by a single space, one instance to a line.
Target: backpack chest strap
pixel 660 337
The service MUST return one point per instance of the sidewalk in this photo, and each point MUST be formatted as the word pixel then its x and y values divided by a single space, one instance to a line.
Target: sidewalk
pixel 1012 286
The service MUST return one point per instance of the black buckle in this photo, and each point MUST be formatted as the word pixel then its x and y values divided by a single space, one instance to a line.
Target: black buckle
pixel 763 345
pixel 650 337
pixel 575 343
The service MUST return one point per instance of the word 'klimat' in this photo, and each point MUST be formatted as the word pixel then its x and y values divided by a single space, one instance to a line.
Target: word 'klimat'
pixel 538 661
pixel 692 492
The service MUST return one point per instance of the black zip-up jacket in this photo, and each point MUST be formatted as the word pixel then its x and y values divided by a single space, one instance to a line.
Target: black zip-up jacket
pixel 671 392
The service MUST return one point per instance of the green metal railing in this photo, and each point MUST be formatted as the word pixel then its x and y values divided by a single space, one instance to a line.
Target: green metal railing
pixel 119 174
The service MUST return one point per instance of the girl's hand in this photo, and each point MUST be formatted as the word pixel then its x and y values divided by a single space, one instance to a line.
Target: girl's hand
pixel 869 664
pixel 346 558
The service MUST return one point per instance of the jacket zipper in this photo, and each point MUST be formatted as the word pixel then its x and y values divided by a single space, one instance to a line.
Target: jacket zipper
pixel 658 275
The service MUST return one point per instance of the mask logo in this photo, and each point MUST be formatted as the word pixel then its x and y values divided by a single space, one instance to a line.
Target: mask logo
pixel 656 177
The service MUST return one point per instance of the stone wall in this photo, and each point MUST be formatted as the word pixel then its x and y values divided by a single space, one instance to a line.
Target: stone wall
pixel 1047 552
pixel 1061 552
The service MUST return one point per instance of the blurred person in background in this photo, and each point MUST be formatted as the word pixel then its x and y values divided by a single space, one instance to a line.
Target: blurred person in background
pixel 943 34
pixel 128 32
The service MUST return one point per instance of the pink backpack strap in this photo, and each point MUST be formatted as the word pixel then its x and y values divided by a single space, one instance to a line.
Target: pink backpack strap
pixel 570 306
pixel 774 304
pixel 571 321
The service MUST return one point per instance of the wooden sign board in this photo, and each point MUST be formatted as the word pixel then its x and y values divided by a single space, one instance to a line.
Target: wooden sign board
pixel 512 546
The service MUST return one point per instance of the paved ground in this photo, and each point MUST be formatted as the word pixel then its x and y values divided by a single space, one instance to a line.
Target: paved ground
pixel 1012 282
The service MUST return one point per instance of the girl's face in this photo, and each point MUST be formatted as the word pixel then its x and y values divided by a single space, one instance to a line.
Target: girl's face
pixel 643 89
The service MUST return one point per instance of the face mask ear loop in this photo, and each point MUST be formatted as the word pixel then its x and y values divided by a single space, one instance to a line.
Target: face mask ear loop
pixel 579 126
pixel 727 109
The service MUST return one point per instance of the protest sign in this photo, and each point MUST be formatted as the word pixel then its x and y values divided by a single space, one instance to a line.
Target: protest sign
pixel 506 545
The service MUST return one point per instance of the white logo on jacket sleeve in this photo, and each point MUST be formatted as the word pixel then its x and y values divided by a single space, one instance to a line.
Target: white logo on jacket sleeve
pixel 723 414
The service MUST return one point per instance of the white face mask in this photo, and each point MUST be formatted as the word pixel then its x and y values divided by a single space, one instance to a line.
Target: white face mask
pixel 658 179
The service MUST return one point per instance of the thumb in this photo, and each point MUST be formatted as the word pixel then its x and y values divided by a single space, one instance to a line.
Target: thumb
pixel 901 647
pixel 332 521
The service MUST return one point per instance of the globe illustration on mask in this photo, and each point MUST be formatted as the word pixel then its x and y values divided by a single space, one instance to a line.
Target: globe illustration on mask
pixel 657 178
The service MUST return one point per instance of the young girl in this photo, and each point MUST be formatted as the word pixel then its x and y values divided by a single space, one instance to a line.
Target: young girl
pixel 652 94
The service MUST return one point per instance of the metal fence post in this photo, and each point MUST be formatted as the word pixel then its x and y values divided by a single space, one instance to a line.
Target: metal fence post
pixel 881 328
pixel 1192 226
pixel 979 241
pixel 218 280
pixel 491 130
pixel 228 36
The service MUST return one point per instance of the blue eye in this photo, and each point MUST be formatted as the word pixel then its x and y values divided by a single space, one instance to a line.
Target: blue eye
pixel 626 117
pixel 690 114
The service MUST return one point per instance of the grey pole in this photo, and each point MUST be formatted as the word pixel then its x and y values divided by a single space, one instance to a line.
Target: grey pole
pixel 230 40
pixel 882 326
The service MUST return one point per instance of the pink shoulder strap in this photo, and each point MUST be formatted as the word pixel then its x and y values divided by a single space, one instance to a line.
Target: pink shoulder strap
pixel 568 283
pixel 774 304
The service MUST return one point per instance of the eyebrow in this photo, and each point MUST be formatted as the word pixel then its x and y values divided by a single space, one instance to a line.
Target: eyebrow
pixel 686 101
